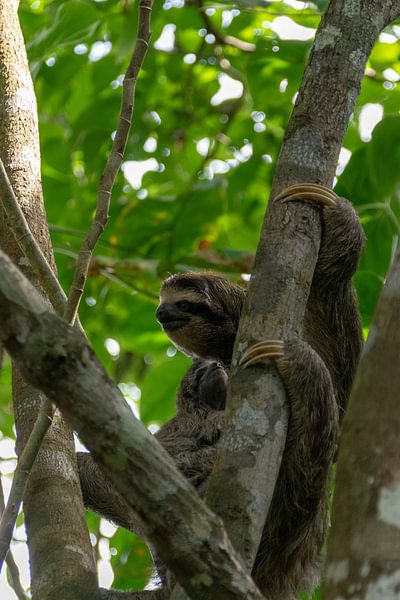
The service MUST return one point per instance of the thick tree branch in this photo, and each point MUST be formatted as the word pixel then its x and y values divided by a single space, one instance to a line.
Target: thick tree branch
pixel 250 455
pixel 365 540
pixel 59 361
pixel 59 550
pixel 113 163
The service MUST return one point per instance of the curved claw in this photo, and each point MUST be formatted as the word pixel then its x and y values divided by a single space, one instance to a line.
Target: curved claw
pixel 267 349
pixel 309 191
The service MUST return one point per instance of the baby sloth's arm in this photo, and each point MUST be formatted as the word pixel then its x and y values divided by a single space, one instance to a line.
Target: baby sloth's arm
pixel 190 438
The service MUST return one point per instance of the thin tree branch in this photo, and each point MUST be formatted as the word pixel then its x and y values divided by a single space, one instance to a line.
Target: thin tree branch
pixel 225 40
pixel 113 163
pixel 26 241
pixel 189 538
pixel 29 246
pixel 11 564
pixel 21 474
pixel 15 578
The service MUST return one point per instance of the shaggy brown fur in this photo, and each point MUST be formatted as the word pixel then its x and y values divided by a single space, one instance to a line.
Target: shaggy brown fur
pixel 200 314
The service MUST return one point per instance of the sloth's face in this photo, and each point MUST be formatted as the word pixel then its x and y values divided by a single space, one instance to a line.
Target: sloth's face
pixel 189 321
pixel 199 312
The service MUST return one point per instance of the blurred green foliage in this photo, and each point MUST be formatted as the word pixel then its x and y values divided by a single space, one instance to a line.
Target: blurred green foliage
pixel 202 203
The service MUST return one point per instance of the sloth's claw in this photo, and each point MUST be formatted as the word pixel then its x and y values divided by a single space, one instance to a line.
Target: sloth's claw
pixel 309 191
pixel 265 350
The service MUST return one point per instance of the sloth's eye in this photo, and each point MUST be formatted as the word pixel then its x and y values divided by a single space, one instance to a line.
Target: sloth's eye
pixel 183 306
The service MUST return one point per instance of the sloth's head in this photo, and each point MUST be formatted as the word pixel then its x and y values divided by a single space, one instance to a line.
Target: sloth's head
pixel 200 313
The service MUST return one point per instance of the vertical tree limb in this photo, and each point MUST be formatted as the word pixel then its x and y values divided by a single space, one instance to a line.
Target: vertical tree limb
pixel 363 556
pixel 60 552
pixel 254 437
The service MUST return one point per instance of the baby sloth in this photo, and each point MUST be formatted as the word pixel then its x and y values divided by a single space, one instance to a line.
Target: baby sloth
pixel 200 313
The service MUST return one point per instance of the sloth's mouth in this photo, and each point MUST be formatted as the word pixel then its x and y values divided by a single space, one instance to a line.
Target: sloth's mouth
pixel 173 324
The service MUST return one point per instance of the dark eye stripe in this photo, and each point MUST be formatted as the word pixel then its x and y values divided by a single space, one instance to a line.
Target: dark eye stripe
pixel 202 309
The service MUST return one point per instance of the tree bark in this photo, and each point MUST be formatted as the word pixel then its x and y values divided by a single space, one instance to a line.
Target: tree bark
pixel 61 557
pixel 254 436
pixel 363 557
pixel 57 359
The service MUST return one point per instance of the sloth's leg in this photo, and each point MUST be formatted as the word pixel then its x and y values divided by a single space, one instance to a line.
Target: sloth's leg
pixel 342 236
pixel 290 549
pixel 100 496
pixel 332 322
pixel 313 408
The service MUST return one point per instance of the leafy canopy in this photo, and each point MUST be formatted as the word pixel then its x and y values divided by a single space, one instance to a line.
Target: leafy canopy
pixel 208 124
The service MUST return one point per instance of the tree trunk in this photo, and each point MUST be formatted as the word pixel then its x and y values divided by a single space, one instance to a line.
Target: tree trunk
pixel 61 557
pixel 248 462
pixel 364 546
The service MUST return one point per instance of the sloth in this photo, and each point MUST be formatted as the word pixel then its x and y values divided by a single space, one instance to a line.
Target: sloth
pixel 200 312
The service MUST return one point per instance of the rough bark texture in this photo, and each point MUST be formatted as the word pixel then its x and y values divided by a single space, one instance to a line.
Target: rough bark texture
pixel 364 559
pixel 61 558
pixel 56 358
pixel 254 437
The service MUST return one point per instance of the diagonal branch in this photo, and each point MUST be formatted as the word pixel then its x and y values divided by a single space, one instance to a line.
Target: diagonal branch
pixel 11 564
pixel 54 357
pixel 113 163
pixel 21 474
pixel 26 241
